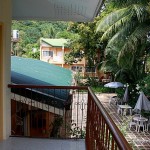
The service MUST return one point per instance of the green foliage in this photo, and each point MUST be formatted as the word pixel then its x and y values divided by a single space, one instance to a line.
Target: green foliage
pixel 77 132
pixel 101 89
pixel 92 81
pixel 120 3
pixel 78 78
pixel 55 125
pixel 85 44
pixel 31 54
pixel 120 92
pixel 124 28
pixel 134 93
pixel 144 85
pixel 124 126
pixel 66 35
pixel 73 57
pixel 30 33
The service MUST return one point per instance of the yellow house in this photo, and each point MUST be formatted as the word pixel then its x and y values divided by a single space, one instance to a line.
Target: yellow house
pixel 53 51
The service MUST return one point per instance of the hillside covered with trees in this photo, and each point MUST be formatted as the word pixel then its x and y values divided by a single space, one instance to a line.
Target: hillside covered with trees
pixel 30 33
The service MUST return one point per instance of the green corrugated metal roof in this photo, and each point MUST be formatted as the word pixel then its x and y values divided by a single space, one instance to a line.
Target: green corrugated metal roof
pixel 35 72
pixel 31 71
pixel 55 42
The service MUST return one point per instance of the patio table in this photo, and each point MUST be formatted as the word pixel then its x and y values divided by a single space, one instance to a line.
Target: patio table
pixel 140 122
pixel 140 118
pixel 122 109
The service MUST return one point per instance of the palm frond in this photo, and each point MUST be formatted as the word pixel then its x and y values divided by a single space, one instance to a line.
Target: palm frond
pixel 110 32
pixel 148 7
pixel 137 37
pixel 141 12
pixel 120 3
pixel 131 48
pixel 107 65
pixel 110 19
pixel 113 50
pixel 121 36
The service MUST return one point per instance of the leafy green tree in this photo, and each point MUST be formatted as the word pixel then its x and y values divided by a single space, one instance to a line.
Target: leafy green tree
pixel 125 31
pixel 85 44
pixel 30 33
pixel 66 35
pixel 47 31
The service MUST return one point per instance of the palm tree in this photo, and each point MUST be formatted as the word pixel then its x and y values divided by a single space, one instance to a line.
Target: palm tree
pixel 125 30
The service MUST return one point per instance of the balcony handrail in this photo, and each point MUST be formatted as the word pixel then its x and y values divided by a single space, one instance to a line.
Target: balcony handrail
pixel 47 86
pixel 118 136
pixel 120 140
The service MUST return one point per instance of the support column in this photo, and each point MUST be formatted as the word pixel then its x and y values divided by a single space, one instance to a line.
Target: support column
pixel 5 53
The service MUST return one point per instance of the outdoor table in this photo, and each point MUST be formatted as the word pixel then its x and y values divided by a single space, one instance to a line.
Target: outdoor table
pixel 140 122
pixel 123 108
pixel 138 118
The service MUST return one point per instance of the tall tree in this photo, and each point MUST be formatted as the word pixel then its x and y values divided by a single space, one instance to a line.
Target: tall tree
pixel 125 30
pixel 30 33
pixel 85 44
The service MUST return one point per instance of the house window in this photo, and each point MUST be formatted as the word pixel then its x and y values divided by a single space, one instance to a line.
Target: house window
pixel 48 53
pixel 77 68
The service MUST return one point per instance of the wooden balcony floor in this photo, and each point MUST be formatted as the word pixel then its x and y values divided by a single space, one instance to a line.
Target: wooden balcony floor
pixel 138 140
pixel 19 143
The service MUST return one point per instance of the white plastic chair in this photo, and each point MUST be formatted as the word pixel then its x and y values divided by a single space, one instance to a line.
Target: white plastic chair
pixel 147 125
pixel 119 110
pixel 140 124
pixel 132 123
pixel 125 111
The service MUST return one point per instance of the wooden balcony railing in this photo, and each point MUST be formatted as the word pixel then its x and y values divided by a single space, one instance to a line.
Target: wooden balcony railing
pixel 101 132
pixel 63 112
